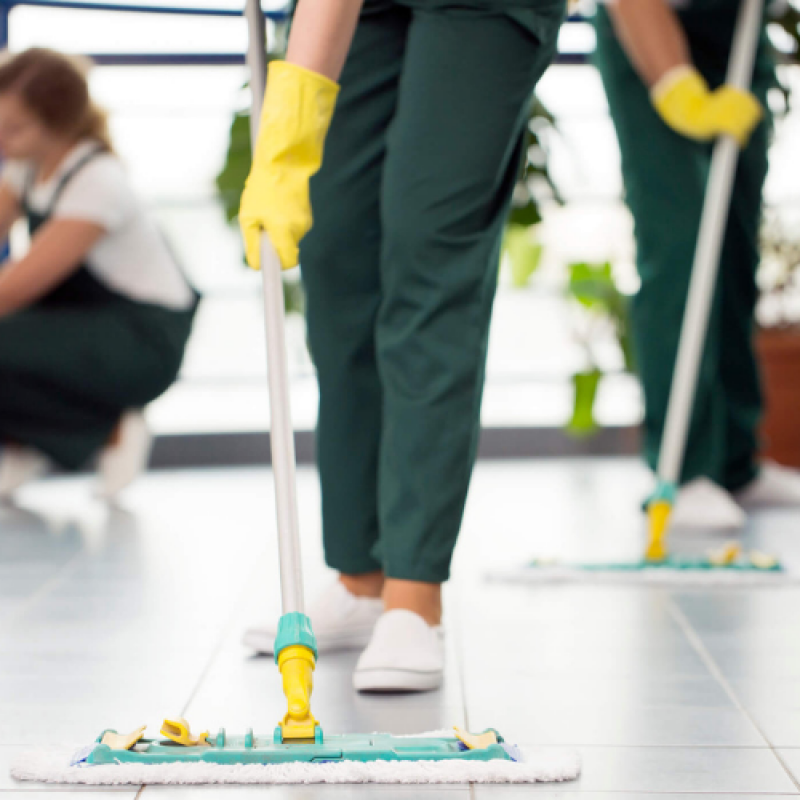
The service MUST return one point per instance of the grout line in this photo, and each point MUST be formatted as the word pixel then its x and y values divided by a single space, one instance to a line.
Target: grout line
pixel 216 650
pixel 226 632
pixel 712 666
pixel 460 661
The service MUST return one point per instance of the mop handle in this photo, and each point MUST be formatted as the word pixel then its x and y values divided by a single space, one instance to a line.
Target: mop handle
pixel 707 255
pixel 281 429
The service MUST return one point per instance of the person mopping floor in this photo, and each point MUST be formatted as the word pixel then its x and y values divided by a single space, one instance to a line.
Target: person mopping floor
pixel 300 749
pixel 94 318
pixel 664 70
pixel 400 268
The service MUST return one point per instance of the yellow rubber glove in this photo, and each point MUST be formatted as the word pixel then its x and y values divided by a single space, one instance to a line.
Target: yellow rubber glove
pixel 297 111
pixel 683 100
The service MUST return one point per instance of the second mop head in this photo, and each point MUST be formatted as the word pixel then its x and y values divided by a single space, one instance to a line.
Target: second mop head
pixel 727 566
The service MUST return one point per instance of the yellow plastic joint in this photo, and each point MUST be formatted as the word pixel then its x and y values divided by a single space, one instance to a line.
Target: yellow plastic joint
pixel 296 664
pixel 658 513
pixel 178 731
pixel 725 555
pixel 762 560
pixel 122 741
pixel 476 741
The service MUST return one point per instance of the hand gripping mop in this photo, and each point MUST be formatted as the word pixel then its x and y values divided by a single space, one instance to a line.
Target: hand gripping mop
pixel 728 564
pixel 297 751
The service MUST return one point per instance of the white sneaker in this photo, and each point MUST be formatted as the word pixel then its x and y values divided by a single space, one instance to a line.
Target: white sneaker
pixel 775 485
pixel 18 466
pixel 340 620
pixel 702 504
pixel 405 654
pixel 121 463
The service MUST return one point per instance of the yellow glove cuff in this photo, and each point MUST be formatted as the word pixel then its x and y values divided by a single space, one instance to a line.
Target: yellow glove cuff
pixel 298 100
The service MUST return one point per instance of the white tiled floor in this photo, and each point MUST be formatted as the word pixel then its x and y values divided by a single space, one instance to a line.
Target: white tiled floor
pixel 114 618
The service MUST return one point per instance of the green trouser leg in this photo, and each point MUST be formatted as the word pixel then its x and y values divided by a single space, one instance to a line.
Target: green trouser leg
pixel 66 374
pixel 400 270
pixel 665 178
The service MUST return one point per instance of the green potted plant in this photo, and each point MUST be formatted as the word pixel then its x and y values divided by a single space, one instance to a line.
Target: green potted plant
pixel 601 309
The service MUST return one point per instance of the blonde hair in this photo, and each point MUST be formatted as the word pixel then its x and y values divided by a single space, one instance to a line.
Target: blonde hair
pixel 54 87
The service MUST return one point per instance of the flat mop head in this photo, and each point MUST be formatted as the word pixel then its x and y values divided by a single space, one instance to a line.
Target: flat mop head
pixel 728 566
pixel 425 758
pixel 251 749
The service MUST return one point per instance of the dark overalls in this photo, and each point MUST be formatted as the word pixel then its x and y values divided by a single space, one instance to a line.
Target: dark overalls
pixel 75 360
pixel 665 178
pixel 401 267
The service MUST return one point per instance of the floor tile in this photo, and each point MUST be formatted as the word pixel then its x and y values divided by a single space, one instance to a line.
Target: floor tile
pixel 780 724
pixel 792 760
pixel 87 791
pixel 639 691
pixel 145 622
pixel 611 724
pixel 670 769
pixel 565 794
pixel 334 792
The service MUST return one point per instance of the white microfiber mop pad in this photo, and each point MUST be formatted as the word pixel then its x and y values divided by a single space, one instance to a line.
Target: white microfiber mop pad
pixel 678 578
pixel 545 765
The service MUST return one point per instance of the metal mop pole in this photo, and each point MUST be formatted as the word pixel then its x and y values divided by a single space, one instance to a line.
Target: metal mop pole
pixel 704 275
pixel 281 429
pixel 295 645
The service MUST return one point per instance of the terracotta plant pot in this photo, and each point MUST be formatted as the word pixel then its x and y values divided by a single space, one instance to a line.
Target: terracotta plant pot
pixel 779 353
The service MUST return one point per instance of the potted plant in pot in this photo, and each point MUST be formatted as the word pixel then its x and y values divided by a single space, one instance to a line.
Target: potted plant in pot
pixel 602 308
pixel 778 340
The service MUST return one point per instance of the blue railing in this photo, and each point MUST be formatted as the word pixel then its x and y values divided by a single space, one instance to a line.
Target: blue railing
pixel 170 59
pixel 140 59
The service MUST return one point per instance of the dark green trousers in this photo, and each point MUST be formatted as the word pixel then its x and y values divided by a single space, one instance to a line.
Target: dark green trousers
pixel 400 270
pixel 67 374
pixel 665 177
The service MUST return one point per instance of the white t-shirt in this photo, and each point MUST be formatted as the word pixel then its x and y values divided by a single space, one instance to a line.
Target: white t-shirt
pixel 133 258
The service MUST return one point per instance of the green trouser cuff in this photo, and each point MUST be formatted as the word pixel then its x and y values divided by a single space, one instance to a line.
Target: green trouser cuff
pixel 353 565
pixel 417 572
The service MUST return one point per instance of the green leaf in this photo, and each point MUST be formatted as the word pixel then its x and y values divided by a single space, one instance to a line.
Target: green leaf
pixel 585 386
pixel 524 254
pixel 592 285
pixel 526 215
pixel 230 181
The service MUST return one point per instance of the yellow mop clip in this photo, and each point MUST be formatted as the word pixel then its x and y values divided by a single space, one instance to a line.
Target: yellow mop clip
pixel 123 741
pixel 179 732
pixel 762 560
pixel 476 741
pixel 725 555
pixel 658 513
pixel 296 664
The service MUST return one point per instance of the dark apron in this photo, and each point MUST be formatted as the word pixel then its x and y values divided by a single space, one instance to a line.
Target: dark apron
pixel 75 360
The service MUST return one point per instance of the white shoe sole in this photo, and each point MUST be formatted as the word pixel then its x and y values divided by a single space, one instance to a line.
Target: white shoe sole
pixel 396 680
pixel 333 643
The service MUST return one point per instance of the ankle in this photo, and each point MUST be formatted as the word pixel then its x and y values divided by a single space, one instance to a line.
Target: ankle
pixel 424 599
pixel 368 584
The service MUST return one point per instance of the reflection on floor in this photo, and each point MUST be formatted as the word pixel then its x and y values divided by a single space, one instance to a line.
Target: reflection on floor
pixel 112 619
